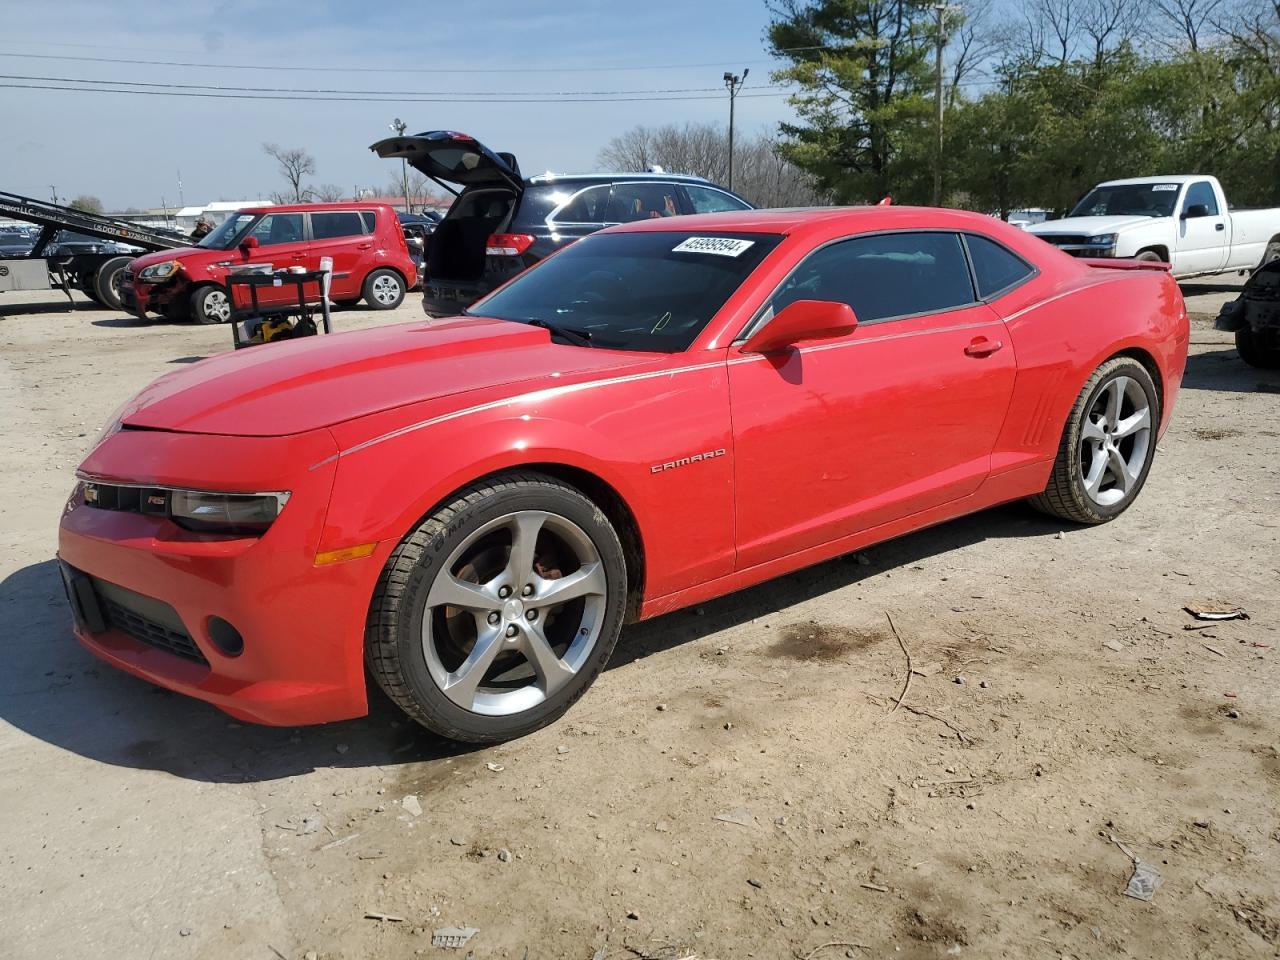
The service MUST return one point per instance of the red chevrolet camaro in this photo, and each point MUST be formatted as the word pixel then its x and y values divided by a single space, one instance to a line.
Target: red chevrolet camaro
pixel 664 412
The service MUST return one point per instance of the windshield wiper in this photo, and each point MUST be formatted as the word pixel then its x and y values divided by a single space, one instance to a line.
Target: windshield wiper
pixel 579 338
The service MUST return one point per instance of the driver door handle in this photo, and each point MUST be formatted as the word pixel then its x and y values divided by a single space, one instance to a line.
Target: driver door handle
pixel 982 347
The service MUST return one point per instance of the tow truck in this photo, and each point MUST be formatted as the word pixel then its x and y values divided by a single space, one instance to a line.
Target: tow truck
pixel 96 275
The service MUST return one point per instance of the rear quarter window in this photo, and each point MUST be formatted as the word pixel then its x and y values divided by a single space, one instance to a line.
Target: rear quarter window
pixel 995 268
pixel 331 226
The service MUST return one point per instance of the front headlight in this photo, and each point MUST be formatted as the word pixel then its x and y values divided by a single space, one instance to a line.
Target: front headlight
pixel 1103 240
pixel 160 271
pixel 250 513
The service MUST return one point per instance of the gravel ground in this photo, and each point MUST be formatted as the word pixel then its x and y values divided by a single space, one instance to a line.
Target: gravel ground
pixel 735 784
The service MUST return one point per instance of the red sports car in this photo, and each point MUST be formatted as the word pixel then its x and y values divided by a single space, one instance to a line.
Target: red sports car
pixel 664 412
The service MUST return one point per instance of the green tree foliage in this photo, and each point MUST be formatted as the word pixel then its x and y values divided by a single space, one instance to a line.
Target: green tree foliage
pixel 86 203
pixel 1062 106
pixel 861 68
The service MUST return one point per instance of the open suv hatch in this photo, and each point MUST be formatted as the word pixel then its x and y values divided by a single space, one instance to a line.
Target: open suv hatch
pixel 501 223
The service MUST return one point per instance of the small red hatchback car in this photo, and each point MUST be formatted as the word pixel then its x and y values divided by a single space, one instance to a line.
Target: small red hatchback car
pixel 663 412
pixel 370 260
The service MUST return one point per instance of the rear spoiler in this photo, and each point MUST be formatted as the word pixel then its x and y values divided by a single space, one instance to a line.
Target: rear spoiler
pixel 1104 263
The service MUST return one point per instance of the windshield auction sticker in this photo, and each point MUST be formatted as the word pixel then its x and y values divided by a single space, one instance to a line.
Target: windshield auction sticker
pixel 720 246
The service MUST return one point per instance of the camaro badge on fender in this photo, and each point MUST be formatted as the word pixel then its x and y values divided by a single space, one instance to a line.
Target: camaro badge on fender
pixel 685 461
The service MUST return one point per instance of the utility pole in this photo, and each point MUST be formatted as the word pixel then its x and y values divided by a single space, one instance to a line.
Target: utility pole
pixel 940 41
pixel 733 82
pixel 399 126
pixel 55 193
pixel 181 200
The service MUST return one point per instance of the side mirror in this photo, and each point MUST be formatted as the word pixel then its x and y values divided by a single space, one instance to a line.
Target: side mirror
pixel 248 243
pixel 1195 211
pixel 802 320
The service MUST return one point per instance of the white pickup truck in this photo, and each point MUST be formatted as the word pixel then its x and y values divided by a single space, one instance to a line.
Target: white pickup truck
pixel 1183 220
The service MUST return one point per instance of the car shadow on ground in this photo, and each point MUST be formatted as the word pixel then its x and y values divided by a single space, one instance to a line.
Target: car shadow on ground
pixel 1223 370
pixel 55 691
pixel 126 321
pixel 54 306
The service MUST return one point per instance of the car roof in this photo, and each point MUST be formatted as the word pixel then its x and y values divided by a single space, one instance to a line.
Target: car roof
pixel 796 219
pixel 1172 178
pixel 313 207
pixel 550 177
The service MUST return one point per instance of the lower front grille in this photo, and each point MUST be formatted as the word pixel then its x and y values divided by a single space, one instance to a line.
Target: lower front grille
pixel 146 620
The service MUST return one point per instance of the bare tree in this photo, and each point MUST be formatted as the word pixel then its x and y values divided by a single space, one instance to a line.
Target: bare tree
pixel 328 192
pixel 295 164
pixel 1187 20
pixel 973 44
pixel 702 149
pixel 1059 26
pixel 1109 23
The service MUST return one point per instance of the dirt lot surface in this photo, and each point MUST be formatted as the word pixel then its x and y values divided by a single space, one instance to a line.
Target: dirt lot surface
pixel 735 785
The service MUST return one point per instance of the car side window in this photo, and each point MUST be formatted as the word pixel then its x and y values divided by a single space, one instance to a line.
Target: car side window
pixel 642 201
pixel 330 226
pixel 706 200
pixel 1201 192
pixel 370 220
pixel 885 276
pixel 587 207
pixel 995 268
pixel 276 228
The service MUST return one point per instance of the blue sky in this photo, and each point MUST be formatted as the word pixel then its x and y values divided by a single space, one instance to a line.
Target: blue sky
pixel 127 149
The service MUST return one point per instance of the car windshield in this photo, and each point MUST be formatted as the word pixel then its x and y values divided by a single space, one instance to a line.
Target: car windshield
pixel 225 234
pixel 632 291
pixel 1129 200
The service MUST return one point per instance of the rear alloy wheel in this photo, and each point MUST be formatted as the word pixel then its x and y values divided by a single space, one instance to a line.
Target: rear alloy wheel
pixel 1259 348
pixel 210 304
pixel 499 611
pixel 1107 446
pixel 383 290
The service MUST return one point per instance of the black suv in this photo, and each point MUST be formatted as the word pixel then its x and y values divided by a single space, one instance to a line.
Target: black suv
pixel 502 223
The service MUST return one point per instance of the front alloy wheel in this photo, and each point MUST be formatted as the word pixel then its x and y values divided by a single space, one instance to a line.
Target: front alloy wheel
pixel 499 610
pixel 506 626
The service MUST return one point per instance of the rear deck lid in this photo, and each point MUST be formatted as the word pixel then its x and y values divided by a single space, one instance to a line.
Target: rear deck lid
pixel 452 157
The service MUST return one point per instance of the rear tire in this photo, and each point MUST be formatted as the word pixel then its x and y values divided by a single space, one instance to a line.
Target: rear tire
pixel 384 289
pixel 106 282
pixel 1259 348
pixel 210 304
pixel 498 612
pixel 1101 468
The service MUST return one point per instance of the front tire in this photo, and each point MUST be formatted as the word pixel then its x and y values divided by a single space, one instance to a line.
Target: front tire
pixel 1259 348
pixel 1107 446
pixel 210 304
pixel 1150 256
pixel 383 289
pixel 498 612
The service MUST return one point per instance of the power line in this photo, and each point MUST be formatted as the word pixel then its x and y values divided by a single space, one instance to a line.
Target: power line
pixel 389 93
pixel 337 99
pixel 336 69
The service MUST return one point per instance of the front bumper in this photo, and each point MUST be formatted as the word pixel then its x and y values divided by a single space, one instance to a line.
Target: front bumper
pixel 302 624
pixel 139 297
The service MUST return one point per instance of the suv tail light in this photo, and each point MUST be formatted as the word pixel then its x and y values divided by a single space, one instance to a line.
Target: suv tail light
pixel 508 244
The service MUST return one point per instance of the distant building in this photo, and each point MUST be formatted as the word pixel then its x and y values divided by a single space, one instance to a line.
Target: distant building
pixel 215 212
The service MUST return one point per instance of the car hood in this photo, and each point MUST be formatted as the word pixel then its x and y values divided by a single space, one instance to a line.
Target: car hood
pixel 294 386
pixel 163 256
pixel 1088 226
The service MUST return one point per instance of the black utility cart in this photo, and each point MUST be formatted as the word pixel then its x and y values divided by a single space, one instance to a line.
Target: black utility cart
pixel 253 324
